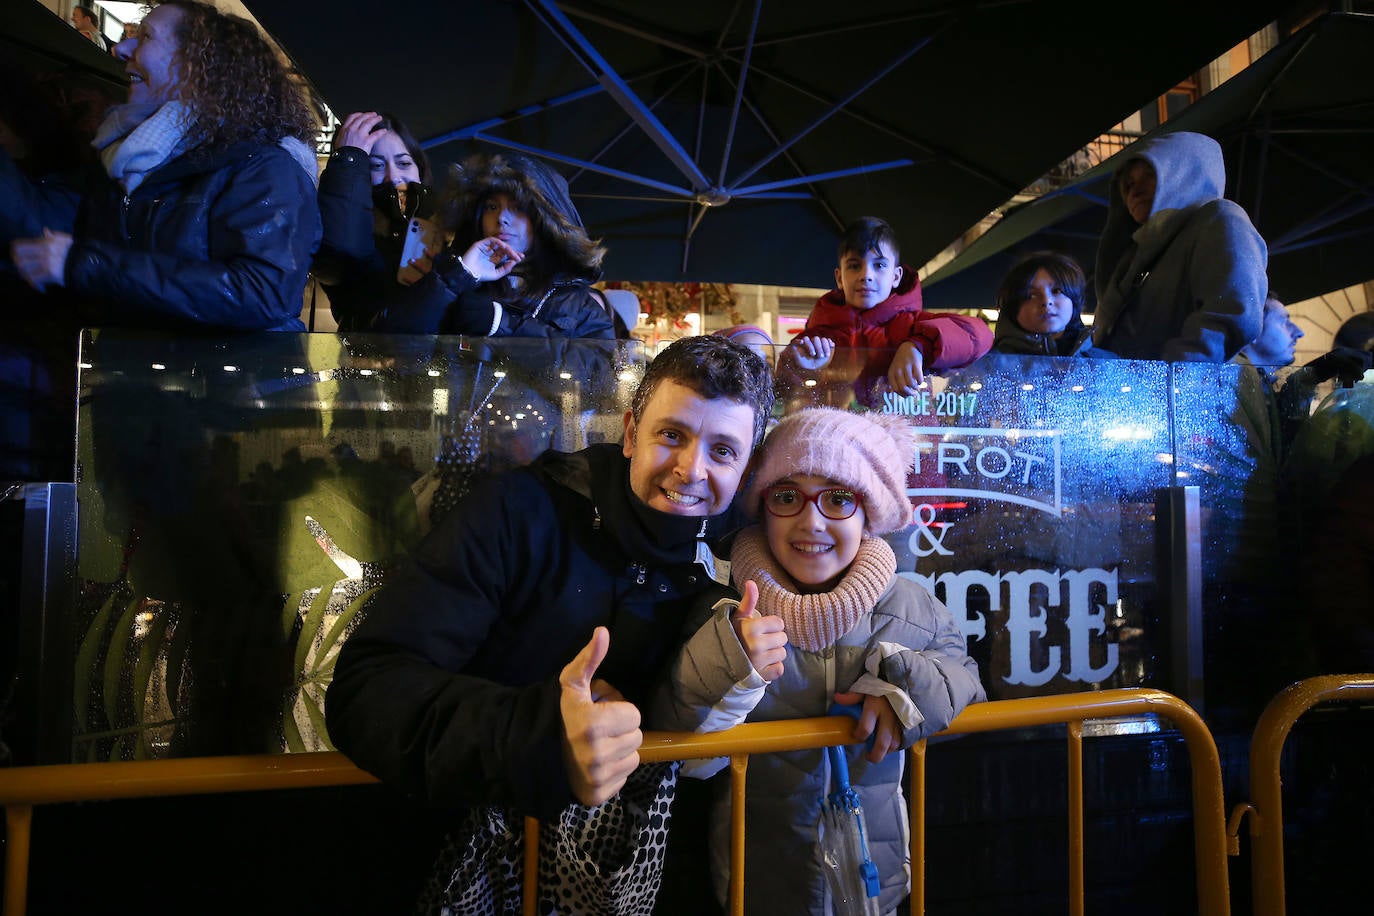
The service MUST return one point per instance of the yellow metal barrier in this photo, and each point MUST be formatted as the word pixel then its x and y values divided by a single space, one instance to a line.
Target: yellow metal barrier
pixel 1266 793
pixel 23 788
pixel 1209 812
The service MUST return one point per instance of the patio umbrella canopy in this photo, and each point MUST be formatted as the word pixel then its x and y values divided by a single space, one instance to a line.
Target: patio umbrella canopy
pixel 730 140
pixel 1296 128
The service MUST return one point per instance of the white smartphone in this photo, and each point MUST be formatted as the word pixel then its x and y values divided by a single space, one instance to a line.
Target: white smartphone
pixel 422 236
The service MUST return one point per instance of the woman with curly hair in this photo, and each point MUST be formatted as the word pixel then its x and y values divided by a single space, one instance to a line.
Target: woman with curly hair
pixel 204 212
pixel 520 265
pixel 374 185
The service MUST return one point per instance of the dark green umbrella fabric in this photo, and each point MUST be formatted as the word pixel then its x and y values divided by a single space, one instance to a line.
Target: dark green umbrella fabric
pixel 722 140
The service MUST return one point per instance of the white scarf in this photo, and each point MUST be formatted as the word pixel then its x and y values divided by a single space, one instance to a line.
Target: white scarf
pixel 133 140
pixel 136 139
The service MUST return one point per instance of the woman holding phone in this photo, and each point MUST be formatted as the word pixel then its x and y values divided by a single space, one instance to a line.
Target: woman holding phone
pixel 373 198
pixel 520 264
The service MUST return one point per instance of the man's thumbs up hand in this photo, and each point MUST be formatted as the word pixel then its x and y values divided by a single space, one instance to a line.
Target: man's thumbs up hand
pixel 601 735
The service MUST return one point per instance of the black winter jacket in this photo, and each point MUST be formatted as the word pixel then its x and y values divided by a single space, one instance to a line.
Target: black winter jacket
pixel 451 301
pixel 219 239
pixel 449 688
pixel 361 249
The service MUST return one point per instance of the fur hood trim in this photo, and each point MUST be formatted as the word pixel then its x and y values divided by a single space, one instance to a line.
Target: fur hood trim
pixel 543 195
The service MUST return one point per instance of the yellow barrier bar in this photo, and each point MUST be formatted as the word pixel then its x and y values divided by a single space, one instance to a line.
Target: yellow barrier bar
pixel 28 786
pixel 22 788
pixel 1075 819
pixel 18 829
pixel 73 782
pixel 918 827
pixel 1266 747
pixel 739 769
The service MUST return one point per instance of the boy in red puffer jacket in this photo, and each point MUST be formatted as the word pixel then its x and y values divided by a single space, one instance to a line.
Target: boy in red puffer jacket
pixel 876 305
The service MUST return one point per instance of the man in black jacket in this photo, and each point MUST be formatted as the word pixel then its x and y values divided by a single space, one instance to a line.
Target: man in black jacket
pixel 504 669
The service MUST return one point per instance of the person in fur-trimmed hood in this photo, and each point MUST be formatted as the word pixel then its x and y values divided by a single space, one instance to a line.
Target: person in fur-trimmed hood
pixel 1180 270
pixel 520 264
pixel 823 610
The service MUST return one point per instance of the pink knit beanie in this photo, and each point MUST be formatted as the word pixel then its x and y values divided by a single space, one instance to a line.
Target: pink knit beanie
pixel 869 452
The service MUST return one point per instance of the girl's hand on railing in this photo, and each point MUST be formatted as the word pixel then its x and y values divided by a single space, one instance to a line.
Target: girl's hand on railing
pixel 877 719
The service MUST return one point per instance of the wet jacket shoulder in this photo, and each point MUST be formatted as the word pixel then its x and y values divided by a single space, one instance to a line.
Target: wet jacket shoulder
pixel 220 240
pixel 30 206
pixel 1189 283
pixel 345 199
pixel 348 263
pixel 946 341
pixel 449 687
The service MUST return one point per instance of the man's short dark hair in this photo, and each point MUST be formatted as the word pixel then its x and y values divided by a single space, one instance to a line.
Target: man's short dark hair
pixel 713 367
pixel 868 233
pixel 87 12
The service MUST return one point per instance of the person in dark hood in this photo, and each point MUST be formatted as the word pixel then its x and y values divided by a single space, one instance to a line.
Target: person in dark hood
pixel 520 264
pixel 204 212
pixel 1180 270
pixel 1040 308
pixel 376 182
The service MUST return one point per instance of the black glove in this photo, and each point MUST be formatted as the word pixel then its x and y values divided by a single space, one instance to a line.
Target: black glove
pixel 1347 363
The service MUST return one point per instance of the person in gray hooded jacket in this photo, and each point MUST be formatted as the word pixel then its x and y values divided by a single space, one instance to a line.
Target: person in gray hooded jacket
pixel 824 618
pixel 1180 270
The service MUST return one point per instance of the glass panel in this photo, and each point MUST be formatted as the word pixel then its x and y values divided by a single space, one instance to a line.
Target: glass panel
pixel 1033 511
pixel 241 498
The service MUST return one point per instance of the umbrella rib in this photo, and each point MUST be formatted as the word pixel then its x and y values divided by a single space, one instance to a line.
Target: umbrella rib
pixel 584 164
pixel 930 13
pixel 839 106
pixel 1325 219
pixel 525 111
pixel 635 29
pixel 587 55
pixel 1278 77
pixel 620 134
pixel 823 176
pixel 739 92
pixel 791 160
pixel 637 198
pixel 938 152
pixel 1313 164
pixel 1289 248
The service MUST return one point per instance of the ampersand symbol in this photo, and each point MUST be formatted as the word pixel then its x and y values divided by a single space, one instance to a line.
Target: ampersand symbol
pixel 925 534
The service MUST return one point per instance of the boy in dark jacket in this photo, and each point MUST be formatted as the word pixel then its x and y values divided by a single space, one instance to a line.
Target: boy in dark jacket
pixel 1040 308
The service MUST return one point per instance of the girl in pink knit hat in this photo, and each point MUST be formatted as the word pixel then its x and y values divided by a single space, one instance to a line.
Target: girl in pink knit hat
pixel 823 618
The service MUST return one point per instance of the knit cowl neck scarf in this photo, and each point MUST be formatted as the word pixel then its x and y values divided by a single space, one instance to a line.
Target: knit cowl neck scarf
pixel 135 139
pixel 814 622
